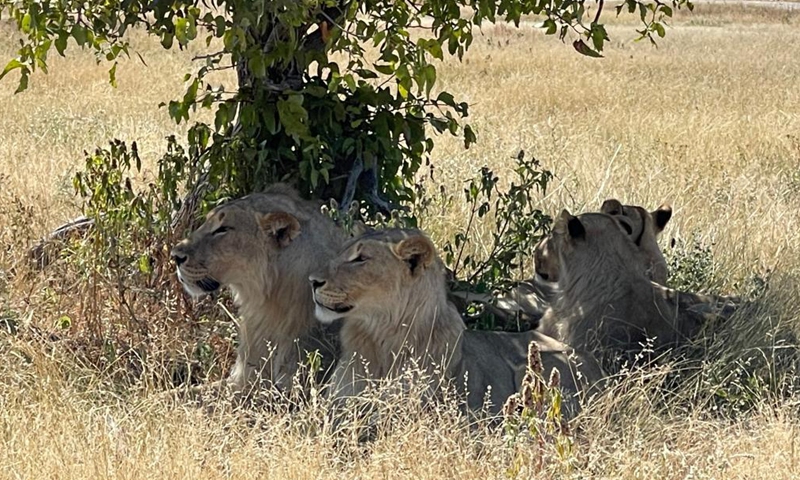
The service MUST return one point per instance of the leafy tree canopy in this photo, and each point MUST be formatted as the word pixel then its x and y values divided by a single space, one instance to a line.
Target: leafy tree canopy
pixel 333 96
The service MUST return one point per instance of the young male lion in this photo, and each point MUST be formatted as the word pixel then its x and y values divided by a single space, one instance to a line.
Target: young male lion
pixel 390 290
pixel 531 298
pixel 263 247
pixel 606 300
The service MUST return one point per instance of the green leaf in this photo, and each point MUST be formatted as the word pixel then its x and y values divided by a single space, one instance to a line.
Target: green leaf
pixel 181 25
pixel 270 123
pixel 166 40
pixel 61 43
pixel 550 26
pixel 430 78
pixel 659 28
pixel 469 136
pixel 144 264
pixel 366 74
pixel 256 65
pixel 219 26
pixel 350 81
pixel 402 90
pixel 25 24
pixel 23 81
pixel 447 99
pixel 598 35
pixel 293 116
pixel 584 49
pixel 221 117
pixel 12 65
pixel 384 69
pixel 112 75
pixel 433 47
pixel 64 322
pixel 79 34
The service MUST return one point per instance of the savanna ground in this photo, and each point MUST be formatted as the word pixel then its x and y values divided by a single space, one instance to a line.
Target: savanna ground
pixel 708 121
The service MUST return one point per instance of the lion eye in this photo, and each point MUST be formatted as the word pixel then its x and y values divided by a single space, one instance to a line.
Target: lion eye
pixel 221 230
pixel 359 259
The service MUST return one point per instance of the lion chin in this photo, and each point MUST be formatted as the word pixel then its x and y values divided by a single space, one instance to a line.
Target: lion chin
pixel 198 288
pixel 326 315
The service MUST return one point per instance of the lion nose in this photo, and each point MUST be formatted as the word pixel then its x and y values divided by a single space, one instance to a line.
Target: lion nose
pixel 178 258
pixel 316 283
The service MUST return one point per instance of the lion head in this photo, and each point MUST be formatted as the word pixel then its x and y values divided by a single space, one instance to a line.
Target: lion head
pixel 233 246
pixel 647 226
pixel 379 268
pixel 388 287
pixel 642 226
pixel 262 246
pixel 578 243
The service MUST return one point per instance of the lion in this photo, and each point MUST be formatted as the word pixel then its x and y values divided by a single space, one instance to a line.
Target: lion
pixel 607 301
pixel 527 302
pixel 389 289
pixel 646 227
pixel 642 226
pixel 263 247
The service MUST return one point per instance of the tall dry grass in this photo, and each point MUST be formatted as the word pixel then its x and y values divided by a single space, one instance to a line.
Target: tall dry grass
pixel 708 121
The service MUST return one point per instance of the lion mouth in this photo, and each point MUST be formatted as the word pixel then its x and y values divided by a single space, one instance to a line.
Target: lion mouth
pixel 329 314
pixel 341 309
pixel 197 288
pixel 208 285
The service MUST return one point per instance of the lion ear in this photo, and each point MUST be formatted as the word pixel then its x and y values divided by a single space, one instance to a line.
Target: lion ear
pixel 612 206
pixel 661 216
pixel 281 226
pixel 418 251
pixel 573 226
pixel 359 228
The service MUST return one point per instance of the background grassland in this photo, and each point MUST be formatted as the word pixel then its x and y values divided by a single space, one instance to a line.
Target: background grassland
pixel 709 121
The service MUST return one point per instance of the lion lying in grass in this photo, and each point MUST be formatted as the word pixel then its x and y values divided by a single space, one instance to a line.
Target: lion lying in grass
pixel 263 247
pixel 389 289
pixel 607 301
pixel 530 298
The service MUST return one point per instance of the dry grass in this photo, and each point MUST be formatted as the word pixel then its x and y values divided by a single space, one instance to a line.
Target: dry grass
pixel 709 121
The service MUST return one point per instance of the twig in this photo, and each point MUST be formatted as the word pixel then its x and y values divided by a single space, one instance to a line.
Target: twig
pixel 352 181
pixel 466 236
pixel 370 183
pixel 599 10
pixel 210 55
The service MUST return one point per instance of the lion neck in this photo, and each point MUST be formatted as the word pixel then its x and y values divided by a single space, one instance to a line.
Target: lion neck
pixel 419 325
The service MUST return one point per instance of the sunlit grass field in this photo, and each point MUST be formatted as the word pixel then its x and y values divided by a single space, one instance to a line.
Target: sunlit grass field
pixel 709 121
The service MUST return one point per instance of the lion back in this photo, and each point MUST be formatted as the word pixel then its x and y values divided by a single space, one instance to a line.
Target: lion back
pixel 495 363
